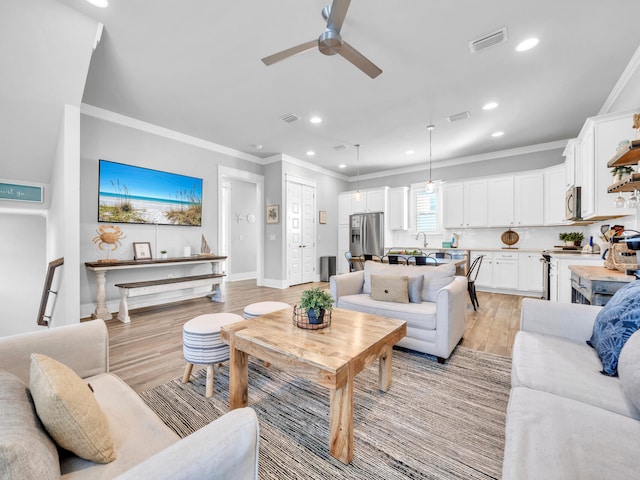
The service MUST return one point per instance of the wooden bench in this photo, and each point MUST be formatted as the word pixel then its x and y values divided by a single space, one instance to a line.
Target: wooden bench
pixel 136 289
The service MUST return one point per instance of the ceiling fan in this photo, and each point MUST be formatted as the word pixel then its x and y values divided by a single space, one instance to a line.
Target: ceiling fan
pixel 330 42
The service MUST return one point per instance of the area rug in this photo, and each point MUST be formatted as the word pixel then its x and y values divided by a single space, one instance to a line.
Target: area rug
pixel 435 422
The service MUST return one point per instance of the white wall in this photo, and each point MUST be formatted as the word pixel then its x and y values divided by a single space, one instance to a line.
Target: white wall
pixel 22 256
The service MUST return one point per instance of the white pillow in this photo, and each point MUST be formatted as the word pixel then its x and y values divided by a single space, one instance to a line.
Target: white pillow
pixel 629 369
pixel 436 278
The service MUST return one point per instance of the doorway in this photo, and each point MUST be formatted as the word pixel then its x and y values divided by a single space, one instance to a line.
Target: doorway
pixel 300 230
pixel 240 229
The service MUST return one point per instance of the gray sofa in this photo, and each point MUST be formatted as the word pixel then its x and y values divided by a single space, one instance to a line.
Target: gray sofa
pixel 565 420
pixel 144 446
pixel 434 326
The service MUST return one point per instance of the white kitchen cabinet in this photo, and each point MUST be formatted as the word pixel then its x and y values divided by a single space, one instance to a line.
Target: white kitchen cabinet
pixel 475 203
pixel 505 270
pixel 398 217
pixel 560 263
pixel 465 204
pixel 453 205
pixel 553 279
pixel 599 139
pixel 571 155
pixel 374 200
pixel 516 200
pixel 501 201
pixel 554 197
pixel 528 199
pixel 530 271
pixel 485 274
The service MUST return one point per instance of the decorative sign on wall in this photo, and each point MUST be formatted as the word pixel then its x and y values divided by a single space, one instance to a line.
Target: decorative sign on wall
pixel 22 193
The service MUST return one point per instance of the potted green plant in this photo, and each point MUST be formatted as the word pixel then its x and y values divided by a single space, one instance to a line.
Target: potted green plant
pixel 621 170
pixel 563 237
pixel 575 237
pixel 163 254
pixel 316 301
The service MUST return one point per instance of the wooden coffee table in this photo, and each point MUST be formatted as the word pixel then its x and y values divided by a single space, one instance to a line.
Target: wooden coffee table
pixel 331 357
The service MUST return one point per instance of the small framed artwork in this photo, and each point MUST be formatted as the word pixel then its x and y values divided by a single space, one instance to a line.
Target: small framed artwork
pixel 322 216
pixel 141 251
pixel 273 214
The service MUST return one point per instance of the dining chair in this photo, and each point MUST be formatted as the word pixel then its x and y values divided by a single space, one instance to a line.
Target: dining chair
pixel 425 260
pixel 396 260
pixel 369 256
pixel 440 255
pixel 472 274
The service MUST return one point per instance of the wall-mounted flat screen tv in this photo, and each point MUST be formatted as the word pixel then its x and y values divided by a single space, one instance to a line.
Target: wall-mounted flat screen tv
pixel 129 194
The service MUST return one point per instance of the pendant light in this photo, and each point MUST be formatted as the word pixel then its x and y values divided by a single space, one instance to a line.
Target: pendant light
pixel 431 186
pixel 357 196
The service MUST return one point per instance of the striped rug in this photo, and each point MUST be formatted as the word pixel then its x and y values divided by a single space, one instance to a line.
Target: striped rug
pixel 435 422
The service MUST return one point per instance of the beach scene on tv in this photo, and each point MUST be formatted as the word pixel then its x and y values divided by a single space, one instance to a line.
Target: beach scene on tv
pixel 129 194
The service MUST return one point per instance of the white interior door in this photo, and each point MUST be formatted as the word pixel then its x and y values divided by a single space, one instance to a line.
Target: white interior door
pixel 301 247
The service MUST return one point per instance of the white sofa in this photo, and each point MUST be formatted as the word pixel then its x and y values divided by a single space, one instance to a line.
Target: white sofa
pixel 434 326
pixel 145 447
pixel 566 420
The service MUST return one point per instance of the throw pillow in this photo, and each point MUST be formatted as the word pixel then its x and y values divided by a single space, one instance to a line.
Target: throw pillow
pixel 629 369
pixel 436 278
pixel 390 288
pixel 415 289
pixel 615 323
pixel 26 451
pixel 69 411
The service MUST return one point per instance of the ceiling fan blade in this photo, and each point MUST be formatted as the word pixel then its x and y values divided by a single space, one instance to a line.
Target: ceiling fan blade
pixel 338 12
pixel 359 60
pixel 289 52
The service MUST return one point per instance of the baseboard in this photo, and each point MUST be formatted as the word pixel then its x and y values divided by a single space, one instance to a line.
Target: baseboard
pixel 273 283
pixel 237 277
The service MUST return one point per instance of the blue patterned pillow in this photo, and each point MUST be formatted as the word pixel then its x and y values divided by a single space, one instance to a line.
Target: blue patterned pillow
pixel 615 323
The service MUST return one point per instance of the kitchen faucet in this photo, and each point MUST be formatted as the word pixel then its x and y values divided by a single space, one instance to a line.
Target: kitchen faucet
pixel 425 238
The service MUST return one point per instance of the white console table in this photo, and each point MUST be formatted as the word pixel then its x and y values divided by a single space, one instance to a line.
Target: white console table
pixel 101 268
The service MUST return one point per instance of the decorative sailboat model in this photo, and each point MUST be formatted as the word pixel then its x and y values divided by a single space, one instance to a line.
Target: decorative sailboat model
pixel 205 249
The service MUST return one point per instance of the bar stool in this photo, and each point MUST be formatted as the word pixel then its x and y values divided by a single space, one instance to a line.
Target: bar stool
pixel 201 344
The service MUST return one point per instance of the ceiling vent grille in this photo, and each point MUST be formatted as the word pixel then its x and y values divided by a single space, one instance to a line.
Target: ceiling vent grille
pixel 458 116
pixel 290 118
pixel 489 40
pixel 339 148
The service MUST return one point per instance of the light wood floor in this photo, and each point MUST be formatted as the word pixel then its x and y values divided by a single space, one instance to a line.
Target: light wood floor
pixel 148 351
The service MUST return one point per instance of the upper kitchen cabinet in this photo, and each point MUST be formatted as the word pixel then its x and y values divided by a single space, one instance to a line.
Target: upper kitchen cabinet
pixel 398 217
pixel 599 139
pixel 515 200
pixel 374 200
pixel 554 198
pixel 465 204
pixel 572 163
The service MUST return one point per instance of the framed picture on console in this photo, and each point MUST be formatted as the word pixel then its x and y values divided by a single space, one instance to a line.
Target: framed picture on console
pixel 142 251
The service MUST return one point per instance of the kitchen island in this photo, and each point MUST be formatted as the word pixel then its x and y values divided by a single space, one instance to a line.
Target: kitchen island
pixel 595 285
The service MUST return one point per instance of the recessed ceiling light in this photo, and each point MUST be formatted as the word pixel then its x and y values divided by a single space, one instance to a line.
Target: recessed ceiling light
pixel 310 153
pixel 342 166
pixel 528 44
pixel 410 152
pixel 99 3
pixel 315 120
pixel 497 134
pixel 490 106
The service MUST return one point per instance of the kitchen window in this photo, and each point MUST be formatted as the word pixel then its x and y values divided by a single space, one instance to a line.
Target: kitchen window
pixel 426 209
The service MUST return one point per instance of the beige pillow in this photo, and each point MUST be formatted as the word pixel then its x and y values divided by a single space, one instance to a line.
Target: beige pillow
pixel 436 278
pixel 70 413
pixel 390 288
pixel 629 369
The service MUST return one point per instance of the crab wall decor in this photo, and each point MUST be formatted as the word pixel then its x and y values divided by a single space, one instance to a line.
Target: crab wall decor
pixel 109 235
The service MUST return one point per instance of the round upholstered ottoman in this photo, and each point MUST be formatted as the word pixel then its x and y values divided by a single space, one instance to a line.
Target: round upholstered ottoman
pixel 201 344
pixel 262 308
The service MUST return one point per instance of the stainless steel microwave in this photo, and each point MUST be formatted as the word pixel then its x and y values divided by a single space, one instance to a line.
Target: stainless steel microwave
pixel 572 205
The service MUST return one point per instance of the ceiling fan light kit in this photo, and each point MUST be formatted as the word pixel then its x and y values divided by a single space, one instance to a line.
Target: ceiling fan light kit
pixel 330 42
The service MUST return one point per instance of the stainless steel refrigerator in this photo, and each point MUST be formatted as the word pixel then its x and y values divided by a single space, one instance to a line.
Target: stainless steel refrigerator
pixel 366 233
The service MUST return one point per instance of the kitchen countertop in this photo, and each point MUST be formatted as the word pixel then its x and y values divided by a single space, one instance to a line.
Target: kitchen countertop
pixel 581 256
pixel 600 274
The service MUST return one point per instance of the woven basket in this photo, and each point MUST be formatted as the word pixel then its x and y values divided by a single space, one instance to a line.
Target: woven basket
pixel 620 257
pixel 301 320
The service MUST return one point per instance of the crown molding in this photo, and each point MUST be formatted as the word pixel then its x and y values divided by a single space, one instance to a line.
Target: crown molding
pixel 622 82
pixel 131 122
pixel 301 163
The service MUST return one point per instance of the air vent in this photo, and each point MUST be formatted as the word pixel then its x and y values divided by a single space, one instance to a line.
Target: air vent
pixel 290 118
pixel 339 148
pixel 458 116
pixel 489 40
